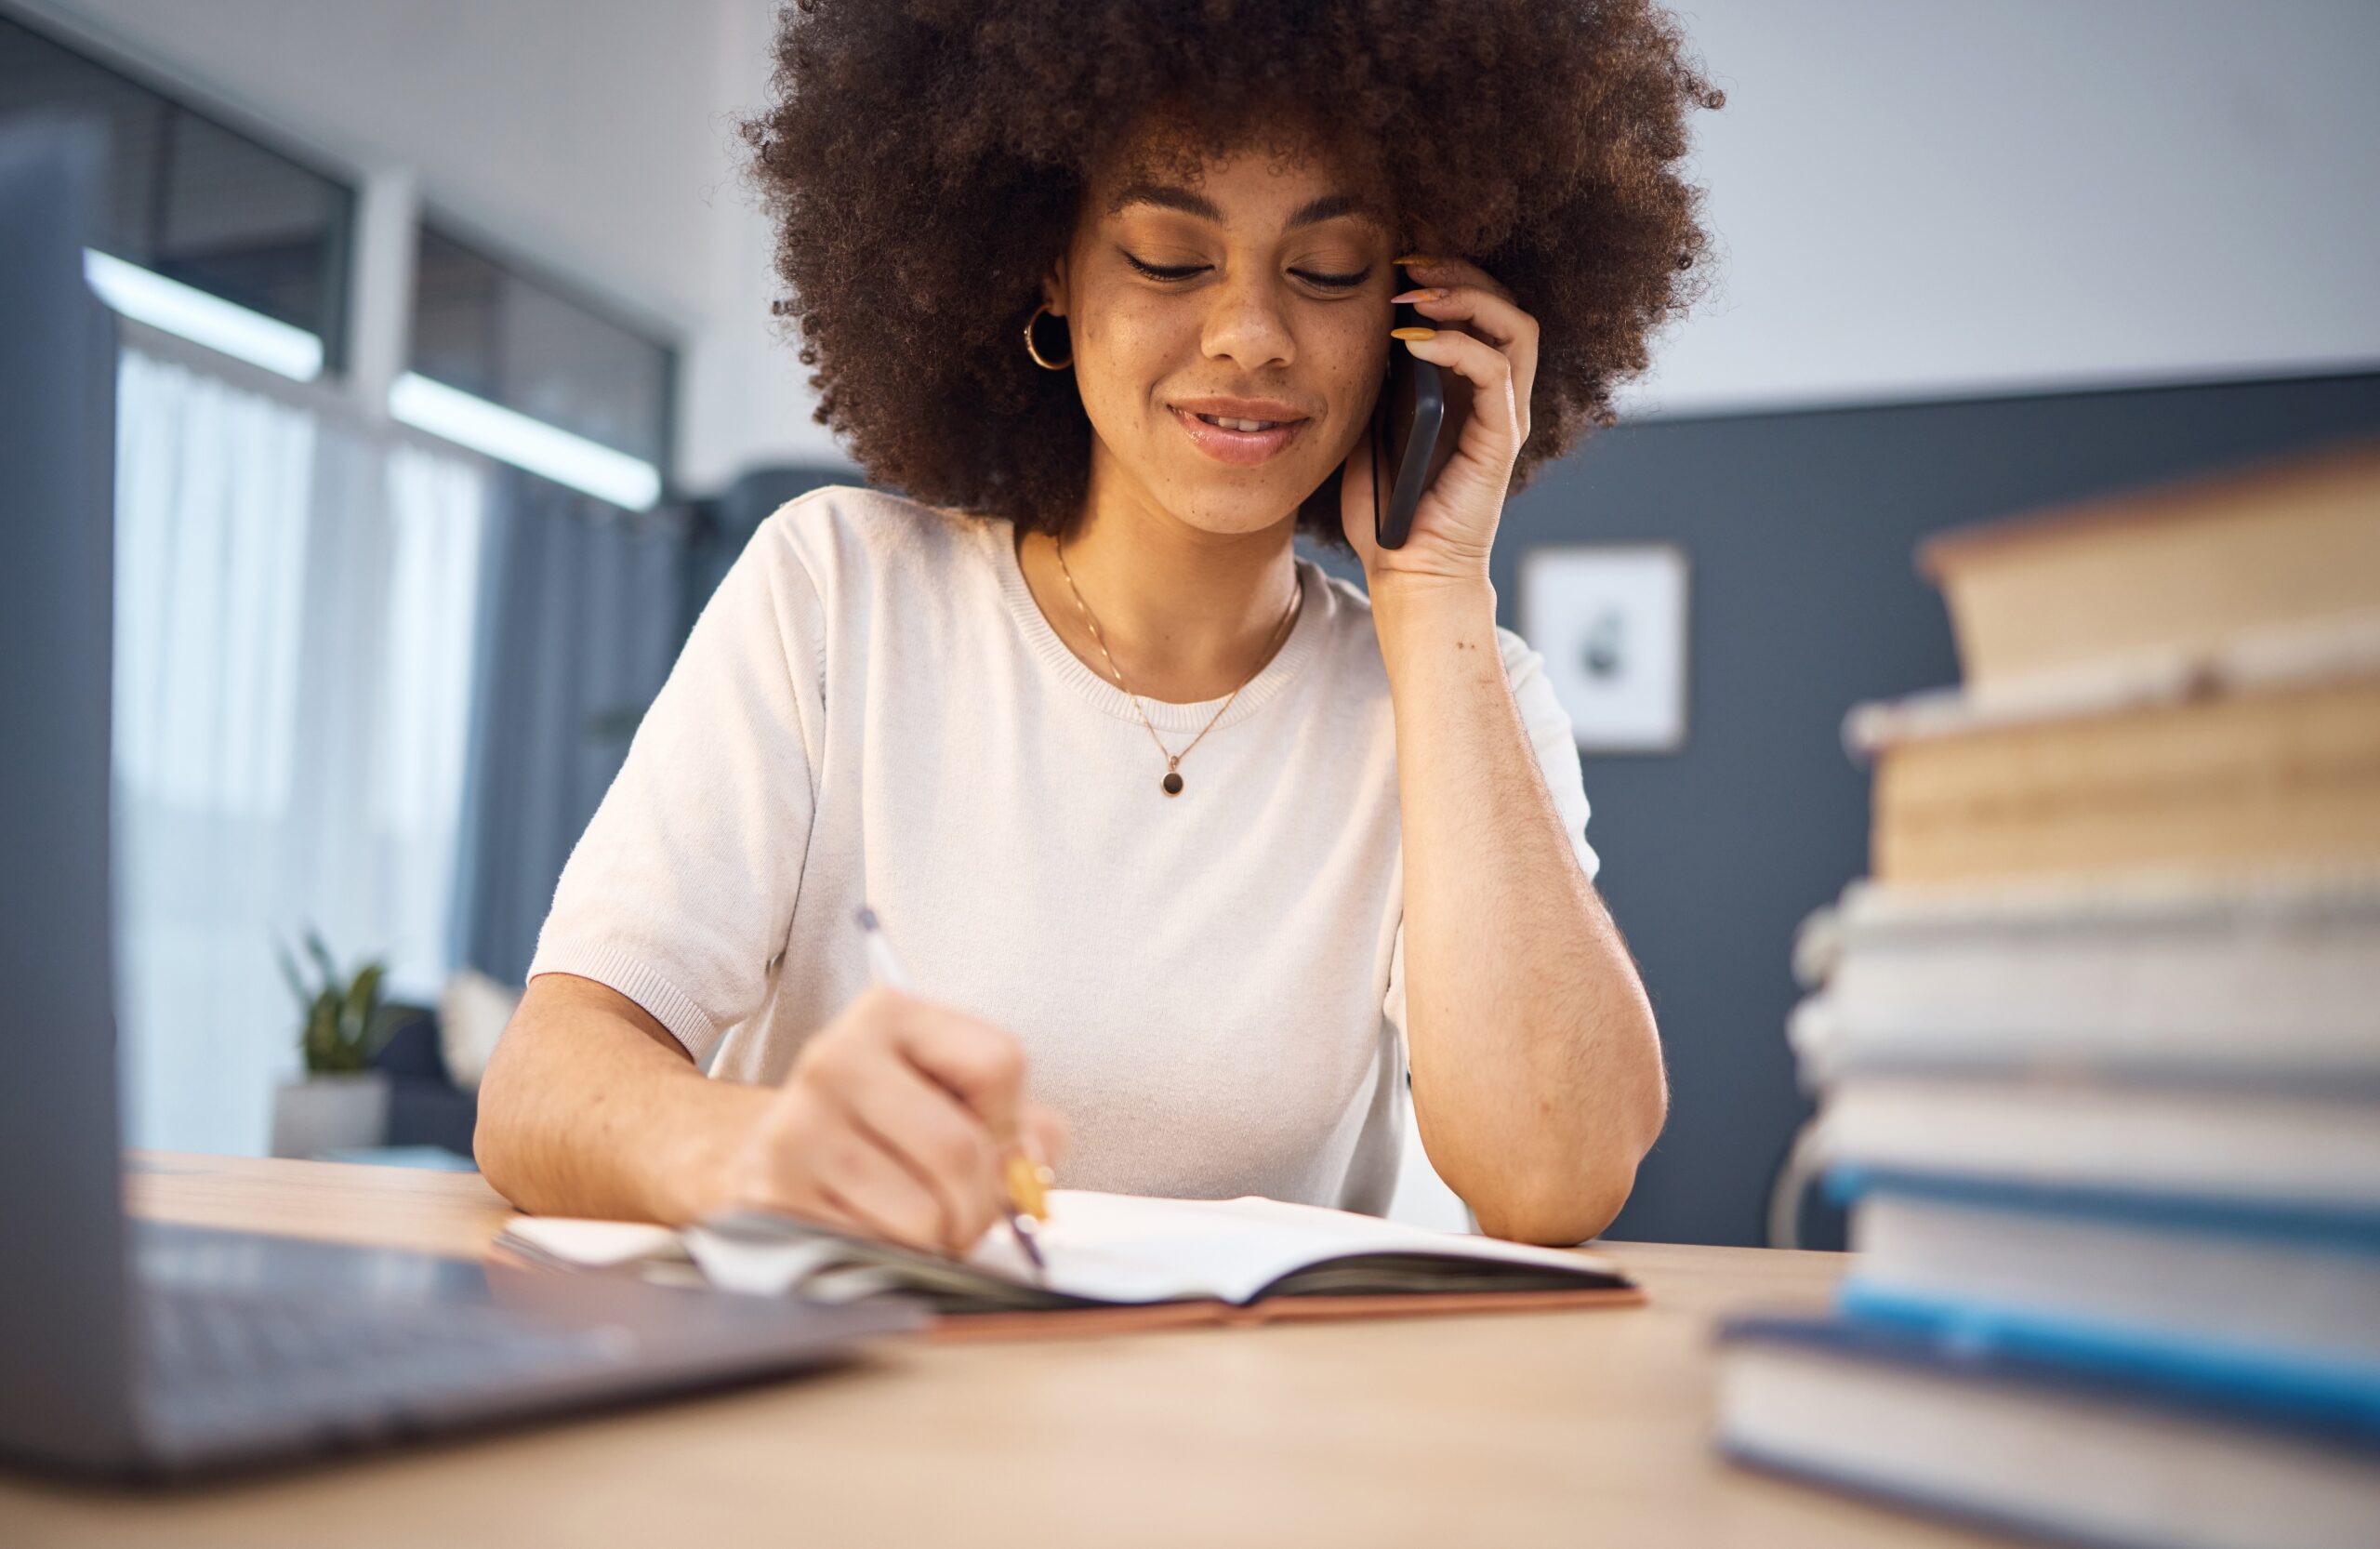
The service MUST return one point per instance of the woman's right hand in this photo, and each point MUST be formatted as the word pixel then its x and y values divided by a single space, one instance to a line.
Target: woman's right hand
pixel 895 1122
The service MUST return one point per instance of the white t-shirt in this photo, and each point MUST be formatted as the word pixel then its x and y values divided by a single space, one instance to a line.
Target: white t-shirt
pixel 872 709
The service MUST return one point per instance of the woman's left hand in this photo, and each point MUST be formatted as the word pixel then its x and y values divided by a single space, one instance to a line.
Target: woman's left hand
pixel 1488 346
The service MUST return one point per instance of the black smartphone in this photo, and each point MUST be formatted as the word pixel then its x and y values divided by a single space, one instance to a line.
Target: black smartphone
pixel 1411 411
pixel 1408 420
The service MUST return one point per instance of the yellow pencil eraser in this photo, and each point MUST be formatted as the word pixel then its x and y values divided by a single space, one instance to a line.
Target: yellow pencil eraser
pixel 1028 1185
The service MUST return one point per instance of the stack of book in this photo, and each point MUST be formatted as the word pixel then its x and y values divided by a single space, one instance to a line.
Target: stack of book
pixel 2098 1044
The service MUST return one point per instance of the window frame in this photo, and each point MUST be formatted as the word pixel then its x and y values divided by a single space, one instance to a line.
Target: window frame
pixel 180 94
pixel 432 218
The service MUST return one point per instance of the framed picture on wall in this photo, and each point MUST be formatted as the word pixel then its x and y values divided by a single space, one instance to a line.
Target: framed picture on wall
pixel 1610 621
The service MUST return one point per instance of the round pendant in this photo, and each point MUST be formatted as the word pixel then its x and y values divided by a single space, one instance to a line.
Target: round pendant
pixel 1172 783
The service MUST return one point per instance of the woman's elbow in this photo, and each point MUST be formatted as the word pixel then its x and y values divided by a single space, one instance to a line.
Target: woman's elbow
pixel 1560 1210
pixel 494 1130
pixel 499 1133
pixel 1566 1198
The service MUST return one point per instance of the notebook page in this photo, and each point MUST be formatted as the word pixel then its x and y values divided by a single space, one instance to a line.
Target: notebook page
pixel 1122 1248
pixel 586 1244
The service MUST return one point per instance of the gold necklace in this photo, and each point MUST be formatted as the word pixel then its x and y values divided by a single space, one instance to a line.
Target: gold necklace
pixel 1171 784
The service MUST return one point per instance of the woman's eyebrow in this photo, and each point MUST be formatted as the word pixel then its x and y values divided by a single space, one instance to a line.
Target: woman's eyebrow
pixel 1329 207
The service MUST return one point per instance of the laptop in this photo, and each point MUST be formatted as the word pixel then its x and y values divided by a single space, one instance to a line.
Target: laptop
pixel 134 1349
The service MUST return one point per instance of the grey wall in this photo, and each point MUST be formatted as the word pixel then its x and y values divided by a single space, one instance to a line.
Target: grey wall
pixel 1804 599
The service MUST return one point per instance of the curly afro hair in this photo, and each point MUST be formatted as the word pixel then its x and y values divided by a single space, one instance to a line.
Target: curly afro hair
pixel 925 161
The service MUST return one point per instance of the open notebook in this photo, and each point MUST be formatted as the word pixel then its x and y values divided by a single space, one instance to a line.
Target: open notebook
pixel 1113 1259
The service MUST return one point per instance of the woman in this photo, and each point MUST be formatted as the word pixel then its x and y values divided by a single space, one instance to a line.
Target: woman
pixel 1194 852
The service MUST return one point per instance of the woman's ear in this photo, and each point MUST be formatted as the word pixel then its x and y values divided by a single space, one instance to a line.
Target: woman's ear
pixel 1054 287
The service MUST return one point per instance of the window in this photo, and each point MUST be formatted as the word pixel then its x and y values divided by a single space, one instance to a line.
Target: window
pixel 219 216
pixel 298 611
pixel 519 368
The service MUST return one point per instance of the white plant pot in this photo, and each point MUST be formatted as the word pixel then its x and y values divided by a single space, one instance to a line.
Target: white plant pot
pixel 329 1113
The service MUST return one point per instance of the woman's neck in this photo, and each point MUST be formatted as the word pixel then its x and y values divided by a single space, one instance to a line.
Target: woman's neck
pixel 1188 614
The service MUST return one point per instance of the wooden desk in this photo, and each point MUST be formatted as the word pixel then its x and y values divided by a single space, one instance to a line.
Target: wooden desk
pixel 1573 1427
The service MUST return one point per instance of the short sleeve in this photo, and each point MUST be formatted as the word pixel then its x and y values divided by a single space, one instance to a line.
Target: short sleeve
pixel 1555 742
pixel 681 892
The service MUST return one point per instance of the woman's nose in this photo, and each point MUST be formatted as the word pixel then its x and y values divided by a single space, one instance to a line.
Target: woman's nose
pixel 1246 325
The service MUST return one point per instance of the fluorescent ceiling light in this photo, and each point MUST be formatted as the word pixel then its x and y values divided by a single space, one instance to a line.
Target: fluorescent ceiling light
pixel 203 319
pixel 531 443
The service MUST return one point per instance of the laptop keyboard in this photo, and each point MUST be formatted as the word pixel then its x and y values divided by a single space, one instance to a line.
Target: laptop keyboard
pixel 252 1348
pixel 278 1352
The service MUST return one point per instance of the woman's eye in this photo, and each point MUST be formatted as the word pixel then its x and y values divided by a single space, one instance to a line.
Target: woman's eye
pixel 1160 272
pixel 1185 271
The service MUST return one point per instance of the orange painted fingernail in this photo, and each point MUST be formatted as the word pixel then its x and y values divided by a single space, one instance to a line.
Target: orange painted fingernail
pixel 1422 261
pixel 1415 334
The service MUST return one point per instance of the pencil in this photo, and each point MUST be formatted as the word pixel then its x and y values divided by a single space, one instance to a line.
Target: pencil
pixel 1023 1178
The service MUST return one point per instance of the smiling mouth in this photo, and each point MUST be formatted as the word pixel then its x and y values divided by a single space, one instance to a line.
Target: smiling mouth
pixel 1244 424
pixel 1241 443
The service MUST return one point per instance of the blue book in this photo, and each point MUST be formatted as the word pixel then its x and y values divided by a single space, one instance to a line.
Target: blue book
pixel 2014 1435
pixel 2224 1294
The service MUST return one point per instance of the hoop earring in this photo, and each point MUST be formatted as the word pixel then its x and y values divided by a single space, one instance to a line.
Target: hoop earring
pixel 1034 350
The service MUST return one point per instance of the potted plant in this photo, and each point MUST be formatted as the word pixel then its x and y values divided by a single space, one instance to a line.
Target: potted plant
pixel 341 1101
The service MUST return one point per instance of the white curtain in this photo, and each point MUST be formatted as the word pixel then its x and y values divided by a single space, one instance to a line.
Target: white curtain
pixel 295 618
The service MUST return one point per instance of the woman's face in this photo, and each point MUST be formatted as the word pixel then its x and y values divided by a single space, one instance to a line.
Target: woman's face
pixel 1251 292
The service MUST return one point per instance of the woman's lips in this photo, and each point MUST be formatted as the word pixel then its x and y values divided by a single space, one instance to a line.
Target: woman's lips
pixel 1241 448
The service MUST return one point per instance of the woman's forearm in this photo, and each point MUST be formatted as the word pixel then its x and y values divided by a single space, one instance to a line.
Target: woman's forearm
pixel 1537 1071
pixel 590 1108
